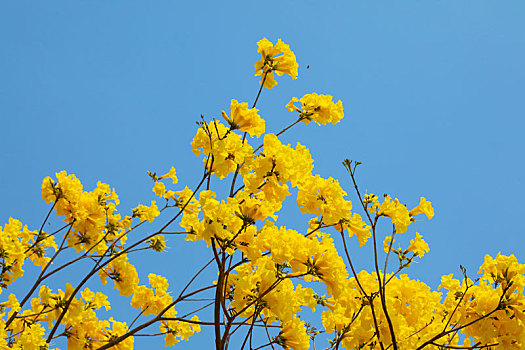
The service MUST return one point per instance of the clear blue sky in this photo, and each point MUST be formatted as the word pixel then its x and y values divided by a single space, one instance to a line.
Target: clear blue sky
pixel 433 94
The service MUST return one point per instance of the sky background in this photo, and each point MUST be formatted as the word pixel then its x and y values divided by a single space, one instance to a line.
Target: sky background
pixel 433 93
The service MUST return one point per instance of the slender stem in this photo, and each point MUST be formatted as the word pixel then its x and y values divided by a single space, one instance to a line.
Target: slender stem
pixel 250 330
pixel 376 263
pixel 382 292
pixel 281 132
pixel 244 137
pixel 218 289
pixel 370 298
pixel 42 227
pixel 388 253
pixel 199 309
pixel 193 278
pixel 352 266
pixel 137 317
pixel 260 89
pixel 194 292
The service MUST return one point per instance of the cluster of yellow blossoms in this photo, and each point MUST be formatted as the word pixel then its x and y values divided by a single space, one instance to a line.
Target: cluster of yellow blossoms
pixel 17 243
pixel 317 108
pixel 267 274
pixel 276 58
pixel 96 231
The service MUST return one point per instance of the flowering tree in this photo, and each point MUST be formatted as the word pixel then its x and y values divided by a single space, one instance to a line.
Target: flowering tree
pixel 267 274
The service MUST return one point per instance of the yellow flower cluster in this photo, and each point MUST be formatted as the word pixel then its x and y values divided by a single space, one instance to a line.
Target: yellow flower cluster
pixel 324 198
pixel 153 301
pixel 244 119
pixel 393 209
pixel 177 331
pixel 258 286
pixel 293 335
pixel 219 219
pixel 123 273
pixel 146 213
pixel 277 165
pixel 81 321
pixel 313 258
pixel 317 108
pixel 159 188
pixel 224 151
pixel 418 246
pixel 498 298
pixel 279 59
pixel 412 306
pixel 356 226
pixel 18 243
pixel 92 215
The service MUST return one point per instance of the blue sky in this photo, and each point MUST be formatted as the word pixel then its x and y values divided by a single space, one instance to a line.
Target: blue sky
pixel 433 97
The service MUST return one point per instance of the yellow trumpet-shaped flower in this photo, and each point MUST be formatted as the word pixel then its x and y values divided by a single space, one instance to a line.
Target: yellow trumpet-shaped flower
pixel 170 175
pixel 279 59
pixel 317 108
pixel 418 245
pixel 424 207
pixel 244 119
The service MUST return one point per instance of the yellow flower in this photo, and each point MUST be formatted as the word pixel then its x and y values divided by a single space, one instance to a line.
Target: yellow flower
pixel 170 175
pixel 418 246
pixel 357 226
pixel 146 213
pixel 293 335
pixel 32 338
pixel 325 197
pixel 159 188
pixel 397 212
pixel 176 331
pixel 157 243
pixel 425 207
pixel 228 149
pixel 244 119
pixel 118 329
pixel 95 301
pixel 12 302
pixel 122 273
pixel 158 282
pixel 387 242
pixel 279 59
pixel 317 108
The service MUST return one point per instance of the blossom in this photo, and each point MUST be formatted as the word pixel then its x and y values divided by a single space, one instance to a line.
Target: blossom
pixel 147 213
pixel 424 207
pixel 279 59
pixel 157 243
pixel 293 335
pixel 387 242
pixel 228 149
pixel 244 119
pixel 357 226
pixel 418 246
pixel 123 273
pixel 397 212
pixel 317 108
pixel 170 175
pixel 325 197
pixel 159 188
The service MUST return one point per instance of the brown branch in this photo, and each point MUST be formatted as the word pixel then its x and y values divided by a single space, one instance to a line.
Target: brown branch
pixel 382 292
